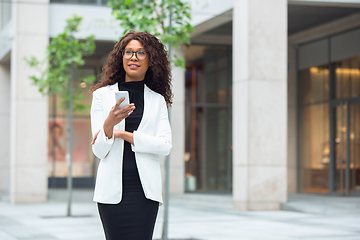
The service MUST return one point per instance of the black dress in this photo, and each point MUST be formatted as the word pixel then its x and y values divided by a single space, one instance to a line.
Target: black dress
pixel 134 217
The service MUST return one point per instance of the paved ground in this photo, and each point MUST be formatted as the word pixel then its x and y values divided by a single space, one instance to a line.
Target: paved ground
pixel 192 216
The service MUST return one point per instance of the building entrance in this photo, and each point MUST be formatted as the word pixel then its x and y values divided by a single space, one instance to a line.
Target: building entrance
pixel 329 116
pixel 347 147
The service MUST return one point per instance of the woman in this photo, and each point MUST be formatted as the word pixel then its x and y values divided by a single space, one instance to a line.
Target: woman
pixel 129 140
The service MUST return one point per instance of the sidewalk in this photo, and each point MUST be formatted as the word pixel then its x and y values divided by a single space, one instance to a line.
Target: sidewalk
pixel 192 216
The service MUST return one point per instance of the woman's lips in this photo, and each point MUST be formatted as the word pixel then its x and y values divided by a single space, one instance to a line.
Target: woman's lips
pixel 133 66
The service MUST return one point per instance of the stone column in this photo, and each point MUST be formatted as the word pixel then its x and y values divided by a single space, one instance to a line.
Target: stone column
pixel 29 109
pixel 177 118
pixel 4 127
pixel 259 104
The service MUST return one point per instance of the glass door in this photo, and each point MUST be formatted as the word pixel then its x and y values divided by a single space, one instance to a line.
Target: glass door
pixel 340 147
pixel 347 148
pixel 354 148
pixel 208 166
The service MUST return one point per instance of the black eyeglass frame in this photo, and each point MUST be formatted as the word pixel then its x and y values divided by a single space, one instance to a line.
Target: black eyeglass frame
pixel 123 52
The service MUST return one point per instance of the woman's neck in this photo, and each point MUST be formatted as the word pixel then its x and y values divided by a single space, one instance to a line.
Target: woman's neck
pixel 133 79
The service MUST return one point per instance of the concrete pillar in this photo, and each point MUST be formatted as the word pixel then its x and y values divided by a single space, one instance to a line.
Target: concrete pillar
pixel 259 104
pixel 4 128
pixel 29 109
pixel 177 118
pixel 292 122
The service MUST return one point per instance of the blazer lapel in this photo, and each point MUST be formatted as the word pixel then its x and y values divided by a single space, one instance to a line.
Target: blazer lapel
pixel 111 101
pixel 114 88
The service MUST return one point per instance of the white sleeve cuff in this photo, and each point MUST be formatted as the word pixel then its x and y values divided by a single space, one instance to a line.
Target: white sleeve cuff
pixel 105 138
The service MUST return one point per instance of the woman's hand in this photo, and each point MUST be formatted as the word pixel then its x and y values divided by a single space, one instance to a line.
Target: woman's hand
pixel 127 136
pixel 116 115
pixel 118 134
pixel 93 141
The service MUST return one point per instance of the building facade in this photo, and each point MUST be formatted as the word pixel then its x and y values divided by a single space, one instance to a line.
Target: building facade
pixel 268 105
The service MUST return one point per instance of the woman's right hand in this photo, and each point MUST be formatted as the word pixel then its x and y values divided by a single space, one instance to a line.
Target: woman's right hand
pixel 116 115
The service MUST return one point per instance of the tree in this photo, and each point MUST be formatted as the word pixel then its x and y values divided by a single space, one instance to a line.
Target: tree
pixel 153 16
pixel 56 76
pixel 62 54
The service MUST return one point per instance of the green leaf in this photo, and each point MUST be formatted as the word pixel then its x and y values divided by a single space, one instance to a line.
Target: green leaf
pixel 179 62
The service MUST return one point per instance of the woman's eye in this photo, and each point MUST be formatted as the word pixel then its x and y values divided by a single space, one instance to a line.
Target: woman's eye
pixel 128 52
pixel 141 53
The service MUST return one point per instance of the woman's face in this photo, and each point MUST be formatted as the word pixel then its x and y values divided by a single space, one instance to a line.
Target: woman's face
pixel 135 69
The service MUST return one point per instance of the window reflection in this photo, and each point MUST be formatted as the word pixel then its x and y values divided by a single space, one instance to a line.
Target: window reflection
pixel 314 150
pixel 348 78
pixel 208 119
pixel 83 159
pixel 315 84
pixel 314 134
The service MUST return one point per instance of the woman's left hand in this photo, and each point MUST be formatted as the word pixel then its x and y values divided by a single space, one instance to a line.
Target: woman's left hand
pixel 127 136
pixel 117 133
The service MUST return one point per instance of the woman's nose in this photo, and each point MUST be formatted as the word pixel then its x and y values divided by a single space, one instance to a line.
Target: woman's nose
pixel 134 56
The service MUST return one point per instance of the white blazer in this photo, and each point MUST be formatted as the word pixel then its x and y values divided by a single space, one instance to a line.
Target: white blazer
pixel 151 139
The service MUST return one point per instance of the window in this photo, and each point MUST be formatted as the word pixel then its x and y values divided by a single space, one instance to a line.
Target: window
pixel 83 159
pixel 5 13
pixel 208 119
pixel 329 142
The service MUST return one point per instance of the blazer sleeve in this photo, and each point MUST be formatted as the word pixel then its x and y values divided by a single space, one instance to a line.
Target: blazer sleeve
pixel 160 143
pixel 102 144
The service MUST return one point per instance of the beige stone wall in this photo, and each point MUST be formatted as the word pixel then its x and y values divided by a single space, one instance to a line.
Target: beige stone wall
pixel 29 109
pixel 259 104
pixel 177 118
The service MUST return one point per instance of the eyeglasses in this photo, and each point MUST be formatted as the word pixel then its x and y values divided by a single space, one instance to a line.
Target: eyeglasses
pixel 128 54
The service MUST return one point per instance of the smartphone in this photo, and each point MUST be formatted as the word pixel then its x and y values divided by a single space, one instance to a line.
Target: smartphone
pixel 119 95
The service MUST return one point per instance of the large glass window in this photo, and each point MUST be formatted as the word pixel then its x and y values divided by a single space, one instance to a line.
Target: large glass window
pixel 314 145
pixel 83 159
pixel 314 150
pixel 346 126
pixel 329 145
pixel 208 118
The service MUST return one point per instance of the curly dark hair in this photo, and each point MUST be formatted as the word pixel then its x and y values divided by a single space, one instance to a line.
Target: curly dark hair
pixel 158 76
